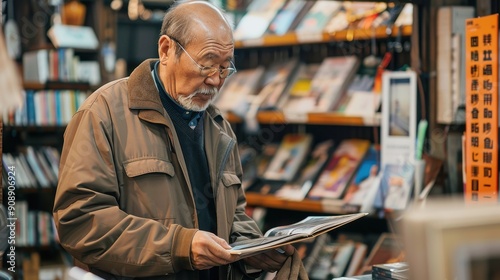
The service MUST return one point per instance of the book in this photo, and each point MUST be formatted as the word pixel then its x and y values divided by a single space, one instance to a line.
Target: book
pixel 364 180
pixel 38 71
pixel 298 188
pixel 318 16
pixel 342 258
pixel 405 17
pixel 397 270
pixel 338 22
pixel 289 17
pixel 389 16
pixel 339 170
pixel 275 84
pixel 289 157
pixel 357 258
pixel 89 71
pixel 237 92
pixel 322 92
pixel 395 186
pixel 300 90
pixel 69 36
pixel 307 228
pixel 41 177
pixel 332 79
pixel 255 22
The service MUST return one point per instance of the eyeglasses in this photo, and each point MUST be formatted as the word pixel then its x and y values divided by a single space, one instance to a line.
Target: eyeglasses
pixel 206 71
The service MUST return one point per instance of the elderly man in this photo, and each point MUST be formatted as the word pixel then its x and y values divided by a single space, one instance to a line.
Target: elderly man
pixel 150 176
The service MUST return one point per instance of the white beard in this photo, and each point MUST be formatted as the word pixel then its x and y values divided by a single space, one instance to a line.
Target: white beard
pixel 188 103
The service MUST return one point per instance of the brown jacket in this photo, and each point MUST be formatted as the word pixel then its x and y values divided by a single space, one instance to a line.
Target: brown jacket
pixel 124 203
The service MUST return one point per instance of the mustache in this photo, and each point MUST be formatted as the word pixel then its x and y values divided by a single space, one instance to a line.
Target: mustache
pixel 207 91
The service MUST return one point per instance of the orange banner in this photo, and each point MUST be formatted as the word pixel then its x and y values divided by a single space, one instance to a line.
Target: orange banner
pixel 481 149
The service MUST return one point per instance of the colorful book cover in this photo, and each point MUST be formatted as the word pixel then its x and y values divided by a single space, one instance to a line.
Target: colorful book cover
pixel 299 93
pixel 318 16
pixel 298 188
pixel 289 157
pixel 340 169
pixel 333 77
pixel 235 95
pixel 255 22
pixel 275 84
pixel 364 180
pixel 288 17
pixel 395 187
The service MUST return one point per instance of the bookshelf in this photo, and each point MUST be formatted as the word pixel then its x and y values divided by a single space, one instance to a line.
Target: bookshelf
pixel 19 136
pixel 313 48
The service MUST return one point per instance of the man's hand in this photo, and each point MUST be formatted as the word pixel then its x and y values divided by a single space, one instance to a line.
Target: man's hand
pixel 271 260
pixel 208 250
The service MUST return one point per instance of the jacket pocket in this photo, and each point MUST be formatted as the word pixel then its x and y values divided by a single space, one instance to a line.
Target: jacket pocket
pixel 138 167
pixel 231 188
pixel 229 179
pixel 149 189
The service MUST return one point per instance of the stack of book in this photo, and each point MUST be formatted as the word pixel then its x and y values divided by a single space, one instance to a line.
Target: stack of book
pixel 390 271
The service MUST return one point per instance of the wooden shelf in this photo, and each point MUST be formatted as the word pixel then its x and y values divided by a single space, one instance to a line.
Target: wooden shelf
pixel 36 190
pixel 344 35
pixel 308 205
pixel 328 118
pixel 58 85
pixel 35 128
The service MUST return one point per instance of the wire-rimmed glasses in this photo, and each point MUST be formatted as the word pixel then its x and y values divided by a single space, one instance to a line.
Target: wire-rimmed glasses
pixel 206 71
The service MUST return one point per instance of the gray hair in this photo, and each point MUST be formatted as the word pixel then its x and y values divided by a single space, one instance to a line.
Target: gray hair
pixel 177 26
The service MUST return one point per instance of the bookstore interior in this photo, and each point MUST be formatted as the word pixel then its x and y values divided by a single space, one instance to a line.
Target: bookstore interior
pixel 388 111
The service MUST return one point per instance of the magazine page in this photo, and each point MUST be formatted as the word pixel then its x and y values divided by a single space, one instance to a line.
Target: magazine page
pixel 310 225
pixel 308 228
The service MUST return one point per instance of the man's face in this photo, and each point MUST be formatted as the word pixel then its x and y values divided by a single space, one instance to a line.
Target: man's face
pixel 186 81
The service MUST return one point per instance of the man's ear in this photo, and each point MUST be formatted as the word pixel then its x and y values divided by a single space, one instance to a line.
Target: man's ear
pixel 164 45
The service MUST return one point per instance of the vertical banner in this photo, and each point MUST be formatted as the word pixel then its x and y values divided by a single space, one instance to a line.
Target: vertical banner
pixel 481 149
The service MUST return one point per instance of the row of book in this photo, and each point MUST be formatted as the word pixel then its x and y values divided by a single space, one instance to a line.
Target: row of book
pixel 31 168
pixel 306 18
pixel 46 107
pixel 59 65
pixel 346 174
pixel 338 84
pixel 33 228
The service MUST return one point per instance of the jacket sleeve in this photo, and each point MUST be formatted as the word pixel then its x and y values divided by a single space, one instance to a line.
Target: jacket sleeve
pixel 90 224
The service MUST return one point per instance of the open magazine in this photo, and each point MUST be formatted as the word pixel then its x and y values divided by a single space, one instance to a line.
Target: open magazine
pixel 309 227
